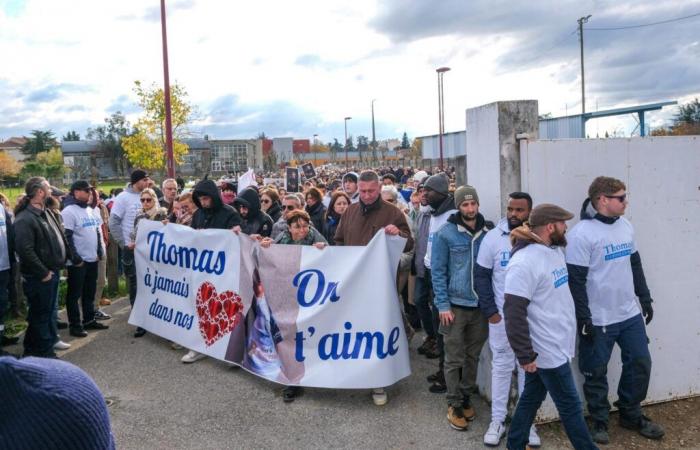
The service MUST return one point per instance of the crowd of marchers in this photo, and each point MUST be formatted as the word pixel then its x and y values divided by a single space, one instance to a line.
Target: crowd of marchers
pixel 520 282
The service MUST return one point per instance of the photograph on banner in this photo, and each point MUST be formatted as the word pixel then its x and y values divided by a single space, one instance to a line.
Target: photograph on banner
pixel 309 171
pixel 334 314
pixel 291 179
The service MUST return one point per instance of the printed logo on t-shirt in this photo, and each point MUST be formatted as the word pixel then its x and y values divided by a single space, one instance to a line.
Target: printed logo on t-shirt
pixel 505 257
pixel 89 222
pixel 614 251
pixel 561 277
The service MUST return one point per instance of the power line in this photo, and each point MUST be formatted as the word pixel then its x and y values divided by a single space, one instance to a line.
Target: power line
pixel 642 25
pixel 564 39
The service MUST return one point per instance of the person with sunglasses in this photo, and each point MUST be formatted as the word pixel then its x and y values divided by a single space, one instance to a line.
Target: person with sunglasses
pixel 270 203
pixel 290 202
pixel 606 278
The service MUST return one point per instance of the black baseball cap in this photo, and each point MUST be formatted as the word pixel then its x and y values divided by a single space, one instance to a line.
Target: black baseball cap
pixel 138 175
pixel 80 185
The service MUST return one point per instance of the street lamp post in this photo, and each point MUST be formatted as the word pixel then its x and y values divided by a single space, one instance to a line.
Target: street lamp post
pixel 170 159
pixel 315 148
pixel 374 140
pixel 441 109
pixel 346 142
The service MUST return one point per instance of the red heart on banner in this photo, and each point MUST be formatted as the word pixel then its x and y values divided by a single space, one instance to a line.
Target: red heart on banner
pixel 218 313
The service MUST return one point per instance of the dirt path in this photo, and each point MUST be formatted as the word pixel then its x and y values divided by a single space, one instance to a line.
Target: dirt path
pixel 680 418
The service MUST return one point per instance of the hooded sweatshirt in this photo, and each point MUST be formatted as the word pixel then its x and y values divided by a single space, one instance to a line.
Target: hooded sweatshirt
pixel 256 222
pixel 605 269
pixel 219 216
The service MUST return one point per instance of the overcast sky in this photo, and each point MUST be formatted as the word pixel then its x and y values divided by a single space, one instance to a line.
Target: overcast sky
pixel 297 68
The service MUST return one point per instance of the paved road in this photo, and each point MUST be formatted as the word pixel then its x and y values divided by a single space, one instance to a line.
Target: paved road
pixel 160 403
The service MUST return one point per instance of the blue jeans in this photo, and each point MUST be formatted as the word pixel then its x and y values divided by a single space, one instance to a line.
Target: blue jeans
pixel 631 336
pixel 559 382
pixel 421 296
pixel 41 329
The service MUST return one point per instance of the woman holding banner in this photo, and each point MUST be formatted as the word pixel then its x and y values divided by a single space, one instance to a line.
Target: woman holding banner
pixel 299 232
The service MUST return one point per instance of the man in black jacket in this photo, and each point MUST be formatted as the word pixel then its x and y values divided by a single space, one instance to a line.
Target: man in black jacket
pixel 7 261
pixel 255 221
pixel 42 250
pixel 211 211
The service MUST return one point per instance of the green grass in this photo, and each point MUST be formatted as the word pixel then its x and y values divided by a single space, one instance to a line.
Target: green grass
pixel 13 192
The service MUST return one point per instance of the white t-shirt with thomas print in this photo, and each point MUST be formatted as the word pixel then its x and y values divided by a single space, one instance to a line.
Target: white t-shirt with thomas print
pixel 539 274
pixel 605 249
pixel 494 253
pixel 436 222
pixel 85 224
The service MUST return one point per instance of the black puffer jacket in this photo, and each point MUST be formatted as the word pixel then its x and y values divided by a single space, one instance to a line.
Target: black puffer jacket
pixel 275 212
pixel 317 213
pixel 256 221
pixel 36 243
pixel 220 216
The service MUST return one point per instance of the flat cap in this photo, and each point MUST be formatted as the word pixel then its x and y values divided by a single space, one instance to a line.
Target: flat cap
pixel 548 213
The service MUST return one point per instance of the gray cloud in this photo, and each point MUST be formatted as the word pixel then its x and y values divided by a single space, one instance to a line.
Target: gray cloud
pixel 124 104
pixel 622 66
pixel 53 92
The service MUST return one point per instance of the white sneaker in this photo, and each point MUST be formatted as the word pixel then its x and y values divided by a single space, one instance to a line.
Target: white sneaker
pixel 494 434
pixel 534 439
pixel 379 397
pixel 192 356
pixel 60 345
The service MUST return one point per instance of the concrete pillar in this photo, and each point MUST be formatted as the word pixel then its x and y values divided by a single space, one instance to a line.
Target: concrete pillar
pixel 493 151
pixel 493 168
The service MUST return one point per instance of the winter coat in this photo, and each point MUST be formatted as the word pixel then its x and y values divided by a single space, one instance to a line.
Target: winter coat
pixel 37 244
pixel 317 213
pixel 219 216
pixel 275 212
pixel 256 222
pixel 312 237
pixel 361 222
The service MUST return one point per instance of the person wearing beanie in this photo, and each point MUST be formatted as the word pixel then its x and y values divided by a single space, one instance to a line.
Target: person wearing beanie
pixel 442 206
pixel 53 404
pixel 489 279
pixel 541 325
pixel 350 186
pixel 462 325
pixel 606 280
pixel 121 223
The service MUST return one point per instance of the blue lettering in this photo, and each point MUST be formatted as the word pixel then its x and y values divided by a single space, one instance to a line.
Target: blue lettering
pixel 320 294
pixel 184 257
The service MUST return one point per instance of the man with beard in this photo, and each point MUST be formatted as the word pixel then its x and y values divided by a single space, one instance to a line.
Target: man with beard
pixel 541 325
pixel 362 220
pixel 212 213
pixel 255 221
pixel 606 277
pixel 442 205
pixel 462 325
pixel 489 278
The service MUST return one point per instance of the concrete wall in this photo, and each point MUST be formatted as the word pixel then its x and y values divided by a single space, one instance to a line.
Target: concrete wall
pixel 662 175
pixel 493 155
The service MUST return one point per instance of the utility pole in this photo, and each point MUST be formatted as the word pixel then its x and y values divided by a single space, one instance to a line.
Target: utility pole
pixel 170 159
pixel 374 140
pixel 581 21
pixel 441 109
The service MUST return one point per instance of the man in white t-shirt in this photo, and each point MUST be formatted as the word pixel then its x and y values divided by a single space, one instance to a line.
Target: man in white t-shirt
pixel 489 281
pixel 121 223
pixel 606 278
pixel 541 325
pixel 83 229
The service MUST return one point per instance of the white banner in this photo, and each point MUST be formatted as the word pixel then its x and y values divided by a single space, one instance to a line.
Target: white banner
pixel 245 180
pixel 291 314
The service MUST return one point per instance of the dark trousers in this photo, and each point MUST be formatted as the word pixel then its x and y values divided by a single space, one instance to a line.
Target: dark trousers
pixel 559 382
pixel 5 280
pixel 630 335
pixel 436 325
pixel 41 329
pixel 421 297
pixel 129 266
pixel 82 282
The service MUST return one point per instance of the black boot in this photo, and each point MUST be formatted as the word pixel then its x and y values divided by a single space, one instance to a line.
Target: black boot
pixel 644 426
